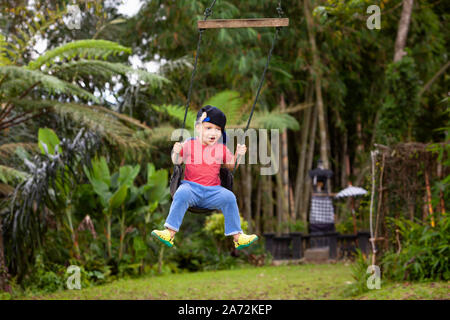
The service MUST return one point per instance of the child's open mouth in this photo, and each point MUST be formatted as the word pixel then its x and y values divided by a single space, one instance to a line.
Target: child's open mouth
pixel 212 139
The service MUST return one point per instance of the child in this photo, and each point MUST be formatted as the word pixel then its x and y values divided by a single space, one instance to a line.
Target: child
pixel 201 187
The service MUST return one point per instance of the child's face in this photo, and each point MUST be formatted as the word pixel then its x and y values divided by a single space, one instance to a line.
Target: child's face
pixel 209 133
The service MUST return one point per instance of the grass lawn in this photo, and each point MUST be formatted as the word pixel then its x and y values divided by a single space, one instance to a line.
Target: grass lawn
pixel 292 282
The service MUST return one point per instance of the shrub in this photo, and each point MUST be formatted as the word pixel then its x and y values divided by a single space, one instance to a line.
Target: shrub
pixel 215 226
pixel 359 275
pixel 424 253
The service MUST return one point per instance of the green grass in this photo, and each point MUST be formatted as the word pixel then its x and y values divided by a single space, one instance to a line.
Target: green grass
pixel 410 291
pixel 293 282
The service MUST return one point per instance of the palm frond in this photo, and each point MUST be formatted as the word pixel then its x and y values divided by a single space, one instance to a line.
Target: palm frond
pixel 5 52
pixel 11 176
pixel 106 70
pixel 49 83
pixel 6 190
pixel 8 149
pixel 230 103
pixel 164 134
pixel 178 112
pixel 90 49
pixel 132 121
pixel 48 187
pixel 274 120
pixel 109 125
pixel 17 45
pixel 31 104
pixel 35 105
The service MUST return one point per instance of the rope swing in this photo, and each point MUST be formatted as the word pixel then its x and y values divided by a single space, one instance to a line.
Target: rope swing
pixel 226 176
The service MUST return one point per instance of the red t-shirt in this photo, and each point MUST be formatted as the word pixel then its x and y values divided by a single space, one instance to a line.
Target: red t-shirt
pixel 203 161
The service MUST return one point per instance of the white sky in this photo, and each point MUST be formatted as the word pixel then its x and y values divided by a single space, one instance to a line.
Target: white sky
pixel 130 7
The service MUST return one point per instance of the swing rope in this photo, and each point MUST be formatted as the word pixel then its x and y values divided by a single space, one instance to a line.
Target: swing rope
pixel 207 13
pixel 261 81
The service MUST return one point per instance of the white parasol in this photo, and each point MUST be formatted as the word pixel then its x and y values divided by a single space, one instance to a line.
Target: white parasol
pixel 351 192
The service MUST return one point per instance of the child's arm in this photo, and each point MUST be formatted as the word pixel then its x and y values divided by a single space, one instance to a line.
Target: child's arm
pixel 176 157
pixel 241 149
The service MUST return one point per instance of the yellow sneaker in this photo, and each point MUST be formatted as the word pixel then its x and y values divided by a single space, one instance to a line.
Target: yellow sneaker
pixel 163 236
pixel 245 240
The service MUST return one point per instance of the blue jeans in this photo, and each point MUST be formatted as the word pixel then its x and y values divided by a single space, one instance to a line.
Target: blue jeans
pixel 192 194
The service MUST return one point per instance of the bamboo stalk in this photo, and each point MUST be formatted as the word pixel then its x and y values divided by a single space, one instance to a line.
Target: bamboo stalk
pixel 380 196
pixel 317 76
pixel 386 235
pixel 309 163
pixel 430 206
pixel 303 150
pixel 403 27
pixel 258 209
pixel 285 168
pixel 248 196
pixel 271 201
pixel 160 259
pixel 354 216
pixel 441 194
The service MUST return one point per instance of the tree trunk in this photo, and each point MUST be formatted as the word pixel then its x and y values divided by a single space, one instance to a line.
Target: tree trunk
pixel 239 191
pixel 309 164
pixel 429 198
pixel 268 200
pixel 258 208
pixel 285 166
pixel 280 224
pixel 246 173
pixel 300 180
pixel 441 194
pixel 3 269
pixel 291 204
pixel 282 210
pixel 403 27
pixel 268 204
pixel 316 74
pixel 380 197
pixel 248 212
pixel 358 162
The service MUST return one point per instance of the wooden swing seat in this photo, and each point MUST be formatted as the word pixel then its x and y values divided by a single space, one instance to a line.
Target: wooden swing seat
pixel 242 23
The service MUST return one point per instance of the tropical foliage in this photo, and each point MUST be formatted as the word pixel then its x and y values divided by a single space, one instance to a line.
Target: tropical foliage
pixel 86 131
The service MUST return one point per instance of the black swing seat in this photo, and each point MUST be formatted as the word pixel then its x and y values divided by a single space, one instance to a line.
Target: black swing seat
pixel 226 181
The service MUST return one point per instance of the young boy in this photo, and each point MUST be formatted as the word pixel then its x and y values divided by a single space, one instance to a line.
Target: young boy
pixel 201 187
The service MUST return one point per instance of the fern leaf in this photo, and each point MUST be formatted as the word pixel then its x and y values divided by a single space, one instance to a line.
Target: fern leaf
pixel 109 126
pixel 275 120
pixel 177 112
pixel 8 149
pixel 11 176
pixel 4 60
pixel 107 70
pixel 24 42
pixel 230 103
pixel 47 82
pixel 81 48
pixel 162 135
